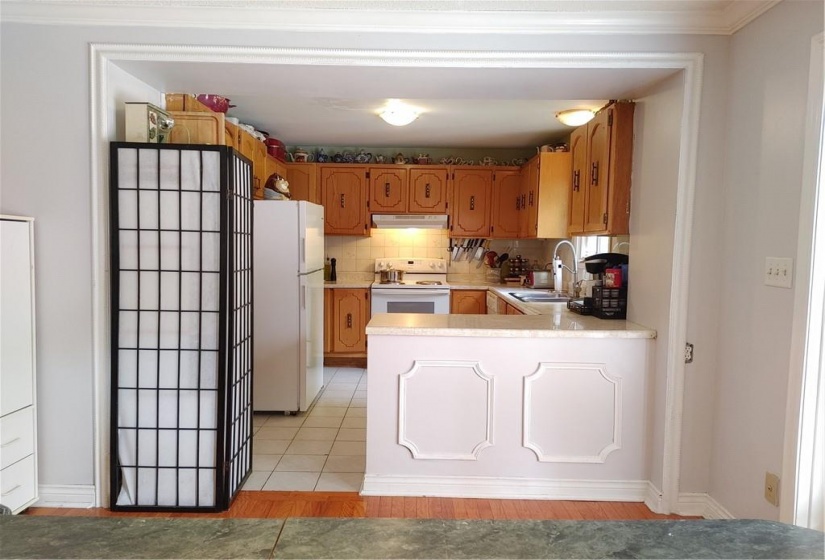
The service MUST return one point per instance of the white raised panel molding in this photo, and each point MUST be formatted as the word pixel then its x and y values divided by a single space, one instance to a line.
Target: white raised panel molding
pixel 573 415
pixel 445 410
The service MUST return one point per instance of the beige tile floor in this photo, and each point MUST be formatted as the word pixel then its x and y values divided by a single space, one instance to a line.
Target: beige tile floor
pixel 323 449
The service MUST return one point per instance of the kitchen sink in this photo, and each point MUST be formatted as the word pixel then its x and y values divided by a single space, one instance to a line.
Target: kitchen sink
pixel 540 297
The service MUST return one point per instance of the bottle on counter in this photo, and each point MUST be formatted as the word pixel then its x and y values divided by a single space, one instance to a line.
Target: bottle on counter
pixel 333 276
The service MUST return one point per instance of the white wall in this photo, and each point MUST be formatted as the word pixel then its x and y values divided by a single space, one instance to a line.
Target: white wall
pixel 657 129
pixel 766 109
pixel 45 98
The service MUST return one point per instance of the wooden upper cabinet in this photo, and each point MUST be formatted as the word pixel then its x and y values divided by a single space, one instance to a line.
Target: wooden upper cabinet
pixel 472 302
pixel 272 166
pixel 601 205
pixel 529 199
pixel 344 193
pixel 598 149
pixel 231 135
pixel 351 310
pixel 470 208
pixel 303 181
pixel 578 152
pixel 197 128
pixel 428 190
pixel 546 195
pixel 259 167
pixel 507 204
pixel 388 189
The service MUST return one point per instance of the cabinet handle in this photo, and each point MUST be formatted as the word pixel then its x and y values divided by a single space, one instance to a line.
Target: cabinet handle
pixel 387 190
pixel 518 202
pixel 472 203
pixel 349 320
pixel 531 198
pixel 594 173
pixel 342 200
pixel 427 191
pixel 576 180
pixel 523 201
pixel 10 442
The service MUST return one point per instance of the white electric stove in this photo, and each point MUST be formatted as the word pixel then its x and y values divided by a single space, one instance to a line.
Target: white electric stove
pixel 423 289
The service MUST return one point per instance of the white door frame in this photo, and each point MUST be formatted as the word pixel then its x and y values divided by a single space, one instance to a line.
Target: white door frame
pixel 690 63
pixel 805 375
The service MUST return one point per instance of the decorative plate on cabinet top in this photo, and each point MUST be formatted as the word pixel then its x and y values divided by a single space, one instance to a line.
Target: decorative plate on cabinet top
pixel 363 157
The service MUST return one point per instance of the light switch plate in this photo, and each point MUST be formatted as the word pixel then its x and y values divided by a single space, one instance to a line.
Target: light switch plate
pixel 778 272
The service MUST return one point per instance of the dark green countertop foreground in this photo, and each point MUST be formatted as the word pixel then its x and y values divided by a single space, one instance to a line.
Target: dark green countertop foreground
pixel 88 537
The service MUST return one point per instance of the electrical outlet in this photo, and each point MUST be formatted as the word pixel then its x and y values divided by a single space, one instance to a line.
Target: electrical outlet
pixel 772 488
pixel 778 272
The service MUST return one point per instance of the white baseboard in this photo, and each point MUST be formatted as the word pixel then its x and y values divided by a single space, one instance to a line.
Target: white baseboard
pixel 66 496
pixel 653 498
pixel 701 504
pixel 507 488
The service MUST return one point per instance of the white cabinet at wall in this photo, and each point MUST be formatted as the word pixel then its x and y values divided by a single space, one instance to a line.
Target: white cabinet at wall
pixel 18 440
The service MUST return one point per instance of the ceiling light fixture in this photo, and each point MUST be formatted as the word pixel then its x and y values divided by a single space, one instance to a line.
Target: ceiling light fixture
pixel 398 114
pixel 575 117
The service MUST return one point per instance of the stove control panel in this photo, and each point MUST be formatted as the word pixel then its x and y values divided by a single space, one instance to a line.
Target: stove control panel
pixel 436 266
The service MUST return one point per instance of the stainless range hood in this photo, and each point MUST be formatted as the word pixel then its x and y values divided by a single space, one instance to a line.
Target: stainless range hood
pixel 429 221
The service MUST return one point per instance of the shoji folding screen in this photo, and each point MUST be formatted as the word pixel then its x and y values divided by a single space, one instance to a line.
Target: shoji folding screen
pixel 181 287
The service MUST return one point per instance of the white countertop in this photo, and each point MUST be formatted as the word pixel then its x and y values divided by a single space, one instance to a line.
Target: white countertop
pixel 555 322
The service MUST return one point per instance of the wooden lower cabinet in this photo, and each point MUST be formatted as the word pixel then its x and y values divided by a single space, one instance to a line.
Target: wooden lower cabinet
pixel 512 310
pixel 346 314
pixel 468 302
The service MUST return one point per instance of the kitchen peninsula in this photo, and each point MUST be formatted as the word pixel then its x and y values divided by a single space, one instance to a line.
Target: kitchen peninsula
pixel 548 405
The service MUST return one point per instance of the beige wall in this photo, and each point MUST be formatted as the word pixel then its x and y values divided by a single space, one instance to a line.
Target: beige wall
pixel 765 132
pixel 355 256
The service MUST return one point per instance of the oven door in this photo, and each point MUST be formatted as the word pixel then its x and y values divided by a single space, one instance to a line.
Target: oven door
pixel 389 300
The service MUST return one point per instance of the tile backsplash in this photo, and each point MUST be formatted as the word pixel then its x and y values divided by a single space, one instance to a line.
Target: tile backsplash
pixel 355 256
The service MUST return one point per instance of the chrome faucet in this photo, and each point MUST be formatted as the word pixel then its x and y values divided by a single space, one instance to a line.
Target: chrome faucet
pixel 558 265
pixel 617 246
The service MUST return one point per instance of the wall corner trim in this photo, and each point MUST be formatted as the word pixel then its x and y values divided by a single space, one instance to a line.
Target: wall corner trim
pixel 701 504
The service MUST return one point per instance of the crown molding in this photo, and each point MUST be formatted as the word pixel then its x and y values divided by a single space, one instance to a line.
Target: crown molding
pixel 517 18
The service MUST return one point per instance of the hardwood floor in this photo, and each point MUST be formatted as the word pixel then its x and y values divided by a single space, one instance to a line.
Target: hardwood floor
pixel 350 504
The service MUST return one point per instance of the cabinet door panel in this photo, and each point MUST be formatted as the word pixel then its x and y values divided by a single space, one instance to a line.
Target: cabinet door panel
pixel 16 299
pixel 598 146
pixel 303 181
pixel 428 191
pixel 472 302
pixel 471 202
pixel 530 199
pixel 344 194
pixel 350 308
pixel 197 128
pixel 507 209
pixel 329 320
pixel 578 151
pixel 388 190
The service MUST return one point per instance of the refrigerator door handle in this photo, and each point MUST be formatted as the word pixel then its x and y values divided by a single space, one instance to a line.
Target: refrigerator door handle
pixel 303 250
pixel 303 297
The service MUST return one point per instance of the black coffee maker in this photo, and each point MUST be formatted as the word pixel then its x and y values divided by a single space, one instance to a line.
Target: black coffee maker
pixel 607 303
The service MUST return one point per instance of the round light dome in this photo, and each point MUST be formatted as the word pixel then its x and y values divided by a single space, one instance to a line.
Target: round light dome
pixel 575 117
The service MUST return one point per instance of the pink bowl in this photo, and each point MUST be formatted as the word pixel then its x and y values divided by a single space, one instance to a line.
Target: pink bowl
pixel 217 103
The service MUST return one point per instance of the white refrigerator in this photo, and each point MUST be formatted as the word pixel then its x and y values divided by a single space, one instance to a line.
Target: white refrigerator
pixel 288 305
